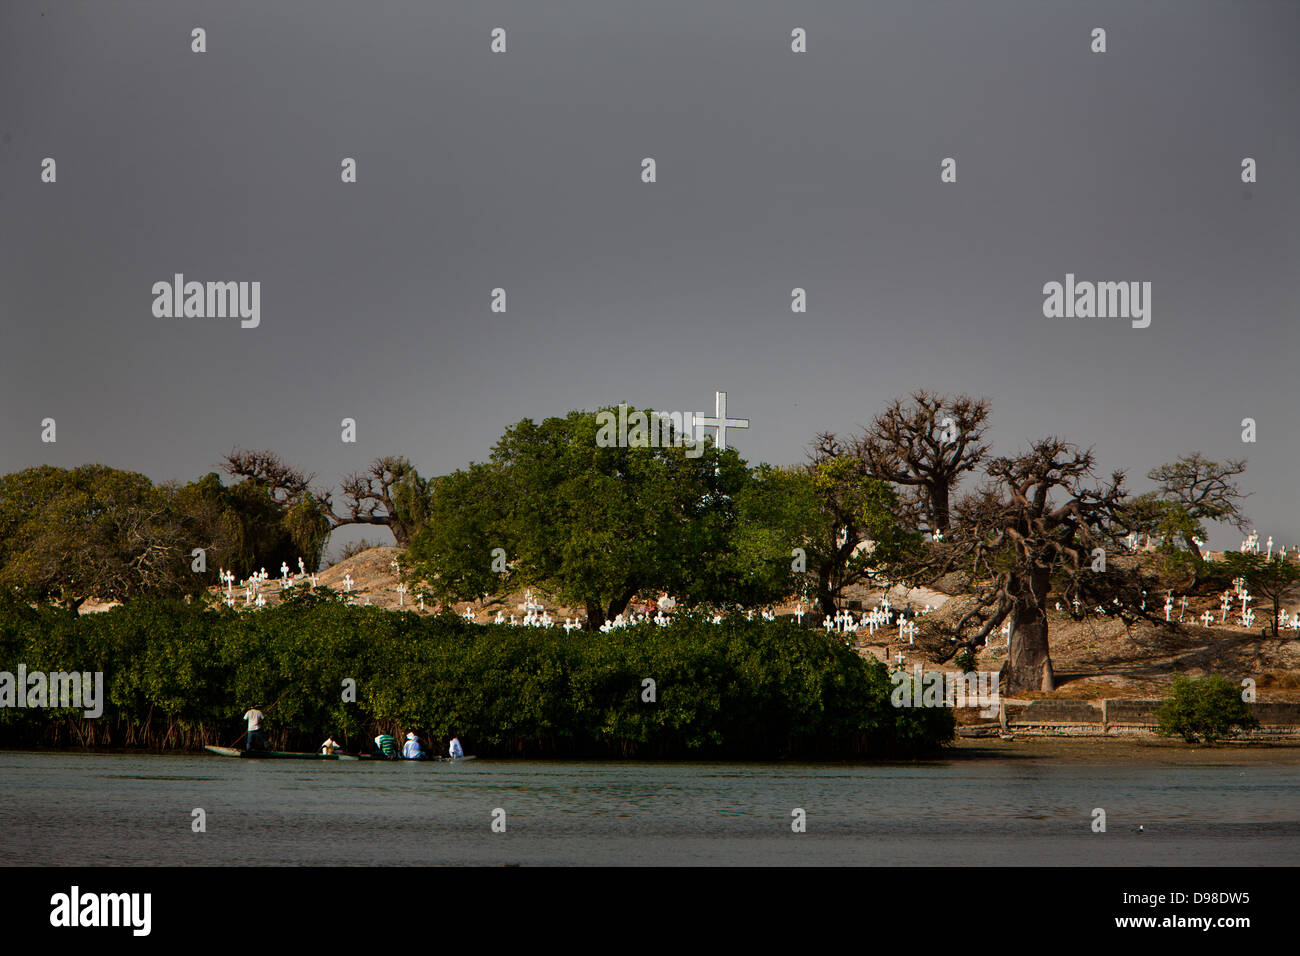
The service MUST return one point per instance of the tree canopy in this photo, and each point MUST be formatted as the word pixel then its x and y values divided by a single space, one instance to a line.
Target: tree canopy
pixel 597 524
pixel 68 534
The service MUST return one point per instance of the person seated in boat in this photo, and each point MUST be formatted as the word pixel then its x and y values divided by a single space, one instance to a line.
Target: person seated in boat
pixel 455 751
pixel 254 718
pixel 386 744
pixel 412 750
pixel 330 746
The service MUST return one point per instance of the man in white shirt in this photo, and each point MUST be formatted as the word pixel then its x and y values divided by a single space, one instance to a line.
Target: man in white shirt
pixel 412 749
pixel 455 751
pixel 254 718
pixel 330 746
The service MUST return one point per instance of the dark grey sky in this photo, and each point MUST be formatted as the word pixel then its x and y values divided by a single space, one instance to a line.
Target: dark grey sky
pixel 522 170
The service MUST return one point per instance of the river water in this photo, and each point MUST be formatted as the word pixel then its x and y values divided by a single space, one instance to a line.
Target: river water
pixel 100 809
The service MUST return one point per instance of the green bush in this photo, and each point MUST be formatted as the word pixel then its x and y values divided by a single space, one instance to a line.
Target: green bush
pixel 177 674
pixel 1206 709
pixel 965 661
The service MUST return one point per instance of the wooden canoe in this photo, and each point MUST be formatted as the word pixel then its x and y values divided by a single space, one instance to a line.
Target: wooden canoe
pixel 274 754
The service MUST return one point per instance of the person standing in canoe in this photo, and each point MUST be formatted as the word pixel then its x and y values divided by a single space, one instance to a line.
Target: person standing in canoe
pixel 412 750
pixel 254 718
pixel 455 751
pixel 386 745
pixel 330 746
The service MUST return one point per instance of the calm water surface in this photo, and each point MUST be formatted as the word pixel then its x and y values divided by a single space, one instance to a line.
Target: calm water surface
pixel 88 809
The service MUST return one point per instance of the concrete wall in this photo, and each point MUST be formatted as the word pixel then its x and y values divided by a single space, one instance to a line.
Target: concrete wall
pixel 1121 716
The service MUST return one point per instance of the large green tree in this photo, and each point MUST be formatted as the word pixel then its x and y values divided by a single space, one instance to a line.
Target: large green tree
pixel 69 534
pixel 855 535
pixel 596 524
pixel 244 527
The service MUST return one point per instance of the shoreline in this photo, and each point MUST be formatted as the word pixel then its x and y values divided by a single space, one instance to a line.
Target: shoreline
pixel 1118 750
pixel 1062 749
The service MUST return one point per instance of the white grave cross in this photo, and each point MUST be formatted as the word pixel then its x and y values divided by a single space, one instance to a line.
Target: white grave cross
pixel 908 629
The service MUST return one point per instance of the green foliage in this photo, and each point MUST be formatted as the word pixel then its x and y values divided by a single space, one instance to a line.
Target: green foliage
pixel 740 688
pixel 411 497
pixel 67 534
pixel 70 534
pixel 308 529
pixel 245 527
pixel 467 514
pixel 1170 523
pixel 1210 708
pixel 850 507
pixel 965 661
pixel 595 524
pixel 1266 577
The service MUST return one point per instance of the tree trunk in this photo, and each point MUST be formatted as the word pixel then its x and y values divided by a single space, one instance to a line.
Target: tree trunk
pixel 1191 546
pixel 595 616
pixel 618 605
pixel 939 507
pixel 825 594
pixel 1029 663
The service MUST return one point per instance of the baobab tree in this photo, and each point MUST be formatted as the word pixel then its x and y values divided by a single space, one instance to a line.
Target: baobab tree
pixel 1035 523
pixel 926 445
pixel 390 493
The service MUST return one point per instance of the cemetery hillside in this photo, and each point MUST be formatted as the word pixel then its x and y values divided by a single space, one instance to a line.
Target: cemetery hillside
pixel 607 583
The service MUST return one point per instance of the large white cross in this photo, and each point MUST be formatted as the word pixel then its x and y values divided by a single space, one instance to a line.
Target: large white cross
pixel 720 421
